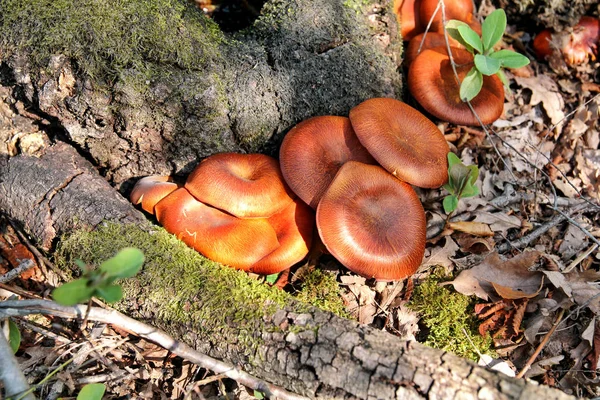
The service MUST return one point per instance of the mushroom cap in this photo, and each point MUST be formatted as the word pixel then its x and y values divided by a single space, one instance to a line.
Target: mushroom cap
pixel 244 185
pixel 294 228
pixel 150 190
pixel 403 141
pixel 407 14
pixel 432 83
pixel 219 236
pixel 314 150
pixel 430 40
pixel 542 44
pixel 461 10
pixel 372 223
pixel 583 41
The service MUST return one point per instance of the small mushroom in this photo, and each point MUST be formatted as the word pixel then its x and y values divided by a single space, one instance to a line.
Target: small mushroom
pixel 150 190
pixel 424 41
pixel 218 235
pixel 583 41
pixel 372 223
pixel 314 150
pixel 244 185
pixel 461 10
pixel 402 140
pixel 407 14
pixel 432 83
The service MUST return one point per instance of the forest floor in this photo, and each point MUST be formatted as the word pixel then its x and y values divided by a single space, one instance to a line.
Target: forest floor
pixel 523 255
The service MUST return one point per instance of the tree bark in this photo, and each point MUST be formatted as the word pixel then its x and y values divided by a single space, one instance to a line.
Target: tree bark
pixel 304 350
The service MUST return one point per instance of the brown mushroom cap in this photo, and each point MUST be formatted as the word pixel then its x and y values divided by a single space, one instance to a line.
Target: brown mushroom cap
pixel 219 236
pixel 424 41
pixel 407 14
pixel 432 83
pixel 244 185
pixel 461 10
pixel 372 223
pixel 314 150
pixel 150 190
pixel 294 228
pixel 402 140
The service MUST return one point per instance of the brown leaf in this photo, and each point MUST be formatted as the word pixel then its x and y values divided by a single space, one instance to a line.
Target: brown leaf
pixel 442 255
pixel 512 294
pixel 513 273
pixel 499 221
pixel 595 353
pixel 494 322
pixel 544 90
pixel 476 245
pixel 472 228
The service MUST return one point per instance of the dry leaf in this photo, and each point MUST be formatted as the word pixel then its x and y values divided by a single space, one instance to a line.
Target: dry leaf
pixel 499 221
pixel 476 245
pixel 441 255
pixel 406 323
pixel 472 228
pixel 512 294
pixel 496 365
pixel 513 273
pixel 544 90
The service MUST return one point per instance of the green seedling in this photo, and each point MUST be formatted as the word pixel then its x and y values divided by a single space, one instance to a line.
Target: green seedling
pixel 92 391
pixel 487 60
pixel 100 282
pixel 14 336
pixel 461 182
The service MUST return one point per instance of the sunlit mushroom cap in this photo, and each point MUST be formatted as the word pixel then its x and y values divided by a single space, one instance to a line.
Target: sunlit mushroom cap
pixel 219 236
pixel 294 228
pixel 372 223
pixel 407 14
pixel 402 140
pixel 150 190
pixel 314 150
pixel 244 185
pixel 432 83
pixel 461 10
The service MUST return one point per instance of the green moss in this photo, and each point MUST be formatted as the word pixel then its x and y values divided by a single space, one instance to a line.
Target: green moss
pixel 447 315
pixel 108 37
pixel 323 291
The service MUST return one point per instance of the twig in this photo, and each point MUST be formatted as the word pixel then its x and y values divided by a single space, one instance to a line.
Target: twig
pixel 11 375
pixel 576 224
pixel 13 273
pixel 580 258
pixel 26 307
pixel 542 344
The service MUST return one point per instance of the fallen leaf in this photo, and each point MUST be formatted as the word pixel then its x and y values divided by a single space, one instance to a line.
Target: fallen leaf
pixel 406 323
pixel 499 221
pixel 544 90
pixel 472 228
pixel 476 245
pixel 542 366
pixel 441 256
pixel 496 365
pixel 512 294
pixel 513 273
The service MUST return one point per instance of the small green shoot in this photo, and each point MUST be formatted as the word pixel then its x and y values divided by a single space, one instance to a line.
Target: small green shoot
pixel 258 395
pixel 271 279
pixel 487 60
pixel 461 182
pixel 100 282
pixel 14 336
pixel 92 391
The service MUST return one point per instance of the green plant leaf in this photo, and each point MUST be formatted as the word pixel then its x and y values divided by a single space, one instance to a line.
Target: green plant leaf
pixel 471 85
pixel 126 263
pixel 74 292
pixel 453 159
pixel 450 203
pixel 110 293
pixel 469 191
pixel 510 59
pixel 82 266
pixel 500 74
pixel 258 395
pixel 493 28
pixel 92 391
pixel 14 336
pixel 452 29
pixel 486 64
pixel 470 37
pixel 473 174
pixel 271 279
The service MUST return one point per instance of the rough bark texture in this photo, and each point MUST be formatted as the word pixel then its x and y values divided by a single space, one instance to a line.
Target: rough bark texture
pixel 556 14
pixel 300 59
pixel 307 351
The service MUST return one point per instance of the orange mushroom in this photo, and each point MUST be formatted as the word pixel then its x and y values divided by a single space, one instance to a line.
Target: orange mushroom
pixel 294 229
pixel 219 236
pixel 424 41
pixel 583 41
pixel 314 150
pixel 543 44
pixel 402 140
pixel 461 10
pixel 407 14
pixel 244 185
pixel 150 190
pixel 372 223
pixel 432 83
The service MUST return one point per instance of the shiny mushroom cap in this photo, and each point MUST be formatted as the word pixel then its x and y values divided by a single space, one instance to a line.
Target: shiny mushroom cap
pixel 372 223
pixel 150 190
pixel 432 83
pixel 461 10
pixel 402 140
pixel 244 185
pixel 219 236
pixel 314 150
pixel 407 14
pixel 294 229
pixel 424 41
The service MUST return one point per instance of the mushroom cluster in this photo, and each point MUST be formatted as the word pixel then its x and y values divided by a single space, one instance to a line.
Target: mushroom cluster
pixel 431 78
pixel 575 45
pixel 357 174
pixel 235 209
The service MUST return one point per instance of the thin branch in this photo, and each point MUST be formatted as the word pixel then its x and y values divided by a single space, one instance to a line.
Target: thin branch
pixel 12 308
pixel 11 375
pixel 24 265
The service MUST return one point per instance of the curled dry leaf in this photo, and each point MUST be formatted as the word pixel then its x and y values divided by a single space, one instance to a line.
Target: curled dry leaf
pixel 499 221
pixel 476 245
pixel 544 90
pixel 441 256
pixel 513 273
pixel 472 228
pixel 512 294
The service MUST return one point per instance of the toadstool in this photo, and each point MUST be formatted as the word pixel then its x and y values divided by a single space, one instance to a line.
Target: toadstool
pixel 150 190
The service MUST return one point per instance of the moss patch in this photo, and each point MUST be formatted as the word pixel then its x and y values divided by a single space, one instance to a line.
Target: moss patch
pixel 107 37
pixel 323 291
pixel 446 314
